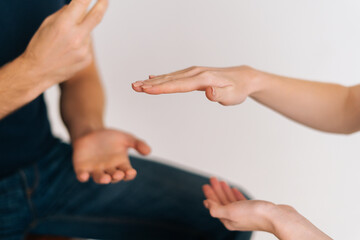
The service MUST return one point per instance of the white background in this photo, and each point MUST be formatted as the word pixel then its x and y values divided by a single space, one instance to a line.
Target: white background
pixel 273 158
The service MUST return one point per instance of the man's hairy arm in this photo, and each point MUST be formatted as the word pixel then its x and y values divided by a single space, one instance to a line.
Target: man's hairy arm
pixel 18 86
pixel 58 50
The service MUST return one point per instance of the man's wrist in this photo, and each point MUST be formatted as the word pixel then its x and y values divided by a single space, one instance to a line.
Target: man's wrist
pixel 81 129
pixel 23 78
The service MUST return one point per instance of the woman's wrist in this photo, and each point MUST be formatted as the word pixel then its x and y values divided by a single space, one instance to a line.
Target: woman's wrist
pixel 257 82
pixel 289 224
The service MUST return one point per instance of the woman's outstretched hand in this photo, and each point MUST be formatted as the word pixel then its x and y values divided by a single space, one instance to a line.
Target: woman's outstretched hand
pixel 232 208
pixel 237 213
pixel 227 86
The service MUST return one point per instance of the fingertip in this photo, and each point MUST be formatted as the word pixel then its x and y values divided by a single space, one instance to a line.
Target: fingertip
pixel 83 177
pixel 130 174
pixel 106 179
pixel 118 176
pixel 214 180
pixel 224 184
pixel 138 84
pixel 239 195
pixel 206 204
pixel 143 148
pixel 136 89
pixel 206 187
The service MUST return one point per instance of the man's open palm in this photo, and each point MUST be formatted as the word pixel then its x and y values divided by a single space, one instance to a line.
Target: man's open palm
pixel 103 155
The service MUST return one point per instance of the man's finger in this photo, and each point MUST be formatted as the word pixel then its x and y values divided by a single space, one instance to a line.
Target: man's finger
pixel 130 172
pixel 117 175
pixel 142 147
pixel 77 9
pixel 82 176
pixel 95 15
pixel 101 177
pixel 139 145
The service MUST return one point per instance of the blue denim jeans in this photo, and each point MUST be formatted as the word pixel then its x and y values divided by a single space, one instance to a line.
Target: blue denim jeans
pixel 161 203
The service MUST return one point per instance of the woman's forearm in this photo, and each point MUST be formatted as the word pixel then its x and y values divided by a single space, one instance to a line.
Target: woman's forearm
pixel 323 106
pixel 288 224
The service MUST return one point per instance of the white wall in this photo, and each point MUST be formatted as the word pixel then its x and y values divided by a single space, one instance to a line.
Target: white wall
pixel 272 157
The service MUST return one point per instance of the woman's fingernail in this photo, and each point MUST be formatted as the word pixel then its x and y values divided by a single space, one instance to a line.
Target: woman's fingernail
pixel 138 84
pixel 147 86
pixel 206 204
pixel 213 91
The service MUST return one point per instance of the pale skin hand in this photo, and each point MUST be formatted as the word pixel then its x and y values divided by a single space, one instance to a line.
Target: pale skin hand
pixel 323 106
pixel 238 214
pixel 60 48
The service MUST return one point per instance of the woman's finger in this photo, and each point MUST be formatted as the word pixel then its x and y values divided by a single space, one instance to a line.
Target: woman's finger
pixel 210 194
pixel 181 73
pixel 216 210
pixel 239 196
pixel 215 184
pixel 197 82
pixel 228 192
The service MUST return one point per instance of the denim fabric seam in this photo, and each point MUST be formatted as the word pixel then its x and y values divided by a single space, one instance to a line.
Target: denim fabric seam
pixel 114 221
pixel 29 190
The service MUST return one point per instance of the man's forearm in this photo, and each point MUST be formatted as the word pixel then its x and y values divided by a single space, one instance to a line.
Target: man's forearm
pixel 19 85
pixel 323 106
pixel 82 103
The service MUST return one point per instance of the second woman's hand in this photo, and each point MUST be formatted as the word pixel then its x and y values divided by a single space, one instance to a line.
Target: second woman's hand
pixel 237 213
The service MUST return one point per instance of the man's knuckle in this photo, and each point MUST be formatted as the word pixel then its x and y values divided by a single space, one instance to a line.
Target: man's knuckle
pixel 97 16
pixel 76 42
pixel 62 27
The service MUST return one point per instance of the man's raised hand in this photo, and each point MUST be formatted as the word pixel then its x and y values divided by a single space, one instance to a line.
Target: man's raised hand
pixel 62 45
